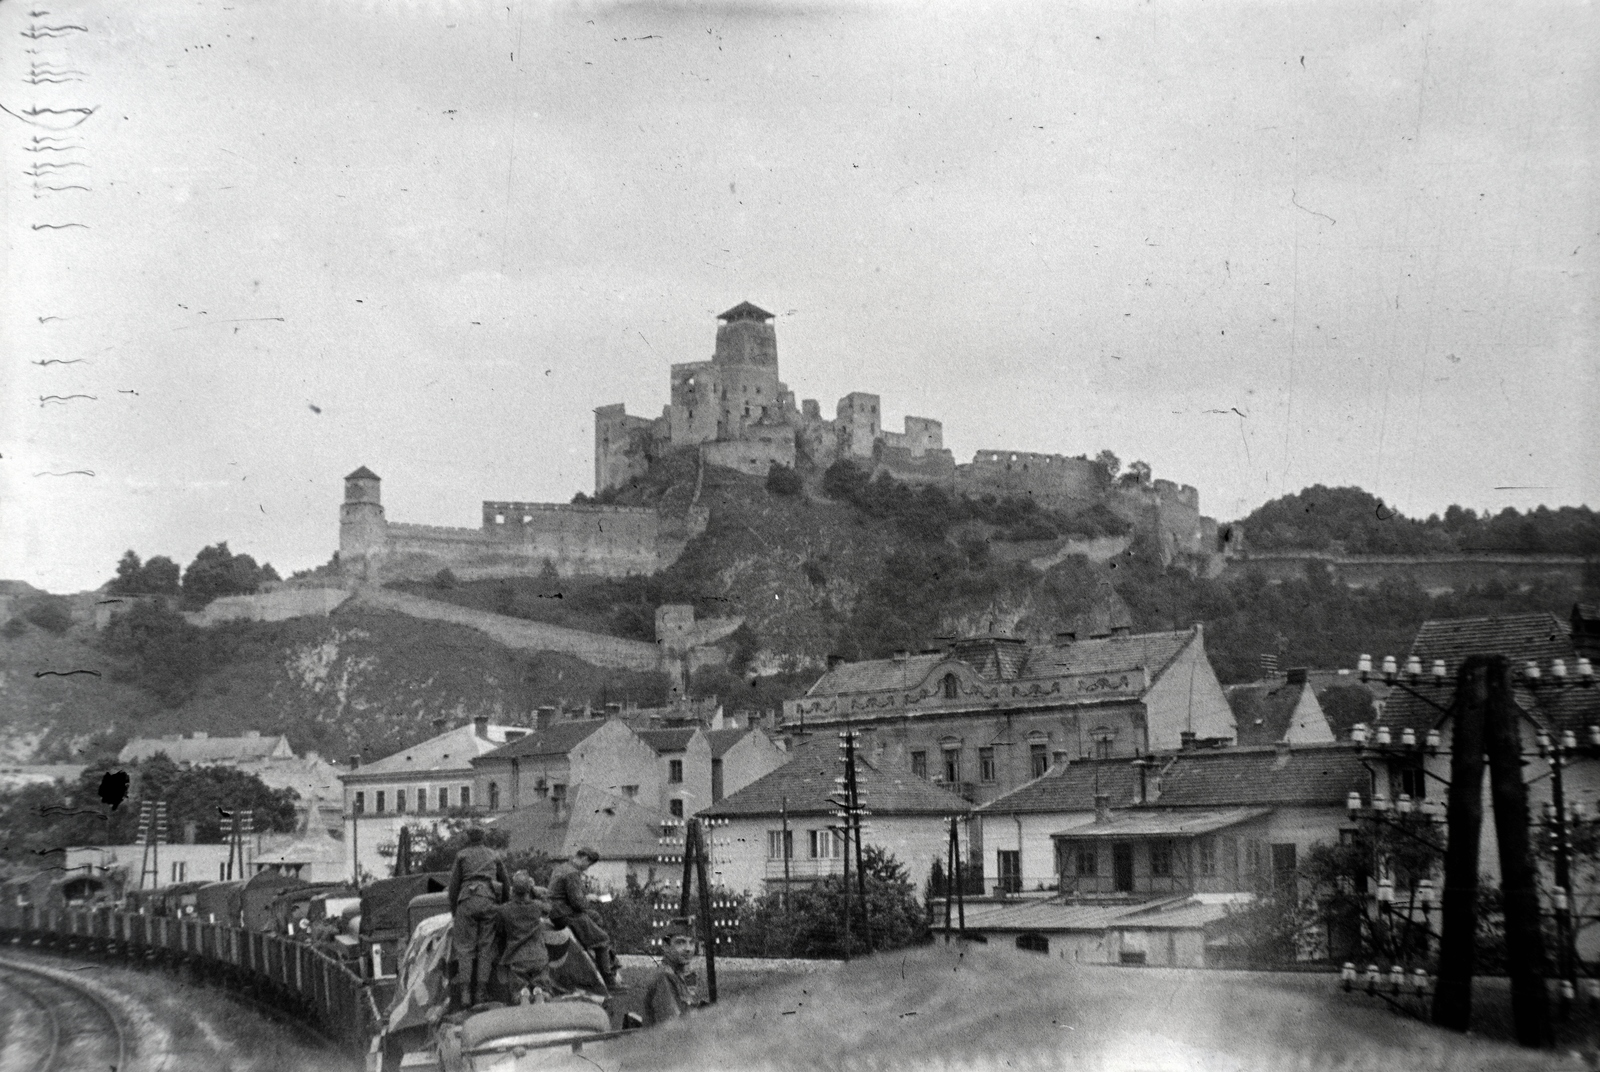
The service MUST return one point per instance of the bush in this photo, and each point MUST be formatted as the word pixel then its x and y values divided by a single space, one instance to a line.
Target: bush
pixel 51 613
pixel 444 579
pixel 813 925
pixel 781 480
pixel 15 628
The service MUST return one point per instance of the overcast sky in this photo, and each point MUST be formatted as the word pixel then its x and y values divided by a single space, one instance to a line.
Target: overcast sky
pixel 1258 246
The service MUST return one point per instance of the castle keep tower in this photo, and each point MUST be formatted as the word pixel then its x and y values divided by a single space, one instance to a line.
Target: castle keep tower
pixel 363 531
pixel 746 337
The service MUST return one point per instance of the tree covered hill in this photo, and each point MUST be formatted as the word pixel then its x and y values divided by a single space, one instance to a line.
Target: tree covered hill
pixel 1356 522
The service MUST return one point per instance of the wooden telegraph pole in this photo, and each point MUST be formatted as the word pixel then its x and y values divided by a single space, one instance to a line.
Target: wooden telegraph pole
pixel 695 867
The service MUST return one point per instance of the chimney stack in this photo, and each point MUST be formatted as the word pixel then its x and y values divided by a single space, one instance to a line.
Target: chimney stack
pixel 1296 676
pixel 834 661
pixel 1066 637
pixel 1102 807
pixel 355 761
pixel 1059 759
pixel 439 725
pixel 1186 741
pixel 480 726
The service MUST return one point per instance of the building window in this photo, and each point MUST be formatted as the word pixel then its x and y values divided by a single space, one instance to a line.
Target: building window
pixel 986 765
pixel 1208 856
pixel 822 845
pixel 780 844
pixel 952 765
pixel 378 806
pixel 1161 859
pixel 675 771
pixel 494 795
pixel 952 687
pixel 919 764
pixel 675 808
pixel 1086 862
pixel 444 799
pixel 1039 759
pixel 631 792
pixel 1008 862
pixel 1414 783
pixel 466 796
pixel 180 871
pixel 1104 738
pixel 361 803
pixel 399 800
pixel 558 792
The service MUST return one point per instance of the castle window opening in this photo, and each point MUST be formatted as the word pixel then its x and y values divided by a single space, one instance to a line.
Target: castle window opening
pixel 499 519
pixel 527 519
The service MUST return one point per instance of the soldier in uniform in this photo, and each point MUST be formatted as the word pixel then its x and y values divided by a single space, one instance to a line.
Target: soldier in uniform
pixel 523 925
pixel 674 988
pixel 477 885
pixel 569 903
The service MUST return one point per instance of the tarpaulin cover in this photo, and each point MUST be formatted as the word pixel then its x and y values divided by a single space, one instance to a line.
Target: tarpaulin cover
pixel 383 904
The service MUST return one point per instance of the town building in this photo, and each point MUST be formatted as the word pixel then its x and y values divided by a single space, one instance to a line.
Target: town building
pixel 429 780
pixel 785 818
pixel 270 758
pixel 986 714
pixel 626 833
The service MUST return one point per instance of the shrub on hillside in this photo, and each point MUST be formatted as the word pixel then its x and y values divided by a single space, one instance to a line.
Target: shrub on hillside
pixel 159 576
pixel 50 613
pixel 812 925
pixel 217 571
pixel 782 480
pixel 14 628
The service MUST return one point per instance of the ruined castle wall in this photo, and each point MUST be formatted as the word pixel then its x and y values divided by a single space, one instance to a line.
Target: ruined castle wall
pixel 622 446
pixel 607 541
pixel 273 606
pixel 696 402
pixel 928 467
pixel 1053 479
pixel 755 452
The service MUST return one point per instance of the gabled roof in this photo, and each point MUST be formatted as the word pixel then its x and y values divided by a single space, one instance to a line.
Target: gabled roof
pixel 663 741
pixel 615 827
pixel 1522 638
pixel 204 750
pixel 453 750
pixel 806 780
pixel 745 311
pixel 363 474
pixel 1160 822
pixel 1317 775
pixel 722 740
pixel 1152 651
pixel 1072 788
pixel 1266 713
pixel 556 739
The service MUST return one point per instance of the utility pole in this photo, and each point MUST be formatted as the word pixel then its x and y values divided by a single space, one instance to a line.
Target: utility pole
pixel 1458 915
pixel 694 866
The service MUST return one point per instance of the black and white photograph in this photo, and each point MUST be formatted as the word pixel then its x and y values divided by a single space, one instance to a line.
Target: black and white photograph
pixel 857 535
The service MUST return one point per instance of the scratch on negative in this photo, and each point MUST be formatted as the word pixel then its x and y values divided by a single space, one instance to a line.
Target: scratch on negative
pixel 1313 212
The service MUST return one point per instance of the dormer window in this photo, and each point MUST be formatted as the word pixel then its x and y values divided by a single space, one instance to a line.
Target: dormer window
pixel 951 686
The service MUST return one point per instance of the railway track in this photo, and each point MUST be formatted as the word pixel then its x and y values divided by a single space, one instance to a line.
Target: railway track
pixel 83 1030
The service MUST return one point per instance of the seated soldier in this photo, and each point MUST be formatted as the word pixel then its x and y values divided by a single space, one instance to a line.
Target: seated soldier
pixel 674 988
pixel 523 923
pixel 570 908
pixel 571 971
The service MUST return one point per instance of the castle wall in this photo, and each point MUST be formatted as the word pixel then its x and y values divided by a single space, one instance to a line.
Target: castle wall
pixel 755 452
pixel 1436 574
pixel 1053 479
pixel 622 446
pixel 696 403
pixel 857 423
pixel 274 606
pixel 925 467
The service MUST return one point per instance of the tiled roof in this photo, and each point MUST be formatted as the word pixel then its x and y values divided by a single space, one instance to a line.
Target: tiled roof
pixel 201 750
pixel 667 740
pixel 1095 656
pixel 1181 915
pixel 806 780
pixel 450 751
pixel 1072 788
pixel 557 739
pixel 1161 822
pixel 1039 916
pixel 615 827
pixel 1540 638
pixel 722 740
pixel 1307 775
pixel 1261 710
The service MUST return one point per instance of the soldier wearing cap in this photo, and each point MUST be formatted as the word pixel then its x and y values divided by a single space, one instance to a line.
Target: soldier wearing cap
pixel 674 988
pixel 523 925
pixel 569 904
pixel 477 885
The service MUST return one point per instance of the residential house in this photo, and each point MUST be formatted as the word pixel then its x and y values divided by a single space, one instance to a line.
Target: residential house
pixel 987 714
pixel 684 759
pixel 1303 707
pixel 200 749
pixel 547 763
pixel 625 833
pixel 740 755
pixel 429 779
pixel 787 814
pixel 1555 703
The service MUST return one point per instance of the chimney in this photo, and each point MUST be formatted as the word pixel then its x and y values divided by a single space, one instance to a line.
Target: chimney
pixel 901 655
pixel 1102 807
pixel 1186 741
pixel 543 717
pixel 355 761
pixel 439 725
pixel 834 661
pixel 1059 759
pixel 480 726
pixel 1296 676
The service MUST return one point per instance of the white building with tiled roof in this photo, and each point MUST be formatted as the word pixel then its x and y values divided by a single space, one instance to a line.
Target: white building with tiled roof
pixel 430 778
pixel 200 749
pixel 909 819
pixel 988 714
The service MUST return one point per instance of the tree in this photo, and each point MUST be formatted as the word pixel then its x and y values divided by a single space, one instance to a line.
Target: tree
pixel 51 613
pixel 159 576
pixel 1137 476
pixel 782 480
pixel 813 924
pixel 1110 462
pixel 217 572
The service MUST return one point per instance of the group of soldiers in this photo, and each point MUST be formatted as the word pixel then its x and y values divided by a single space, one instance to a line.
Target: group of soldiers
pixel 511 934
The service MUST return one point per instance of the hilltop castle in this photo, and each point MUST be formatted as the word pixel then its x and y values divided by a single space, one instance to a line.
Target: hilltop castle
pixel 740 416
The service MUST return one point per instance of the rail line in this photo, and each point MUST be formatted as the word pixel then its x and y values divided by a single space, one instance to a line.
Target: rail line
pixel 50 1019
pixel 82 996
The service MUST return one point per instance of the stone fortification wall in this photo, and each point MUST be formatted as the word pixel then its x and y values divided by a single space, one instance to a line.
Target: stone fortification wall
pixel 754 452
pixel 1436 574
pixel 592 648
pixel 1169 512
pixel 274 606
pixel 622 446
pixel 1053 479
pixel 935 466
